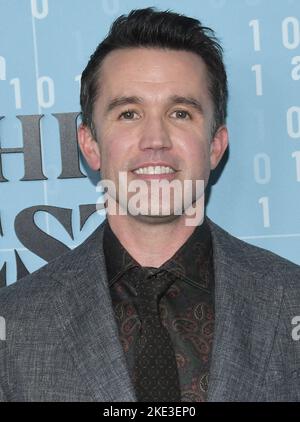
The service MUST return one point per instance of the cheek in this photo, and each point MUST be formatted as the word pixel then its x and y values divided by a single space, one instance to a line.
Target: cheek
pixel 196 151
pixel 115 150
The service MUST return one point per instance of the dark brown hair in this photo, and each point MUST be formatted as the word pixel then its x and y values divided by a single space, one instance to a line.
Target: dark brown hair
pixel 168 30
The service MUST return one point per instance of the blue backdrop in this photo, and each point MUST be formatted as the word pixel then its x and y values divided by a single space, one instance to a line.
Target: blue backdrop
pixel 44 46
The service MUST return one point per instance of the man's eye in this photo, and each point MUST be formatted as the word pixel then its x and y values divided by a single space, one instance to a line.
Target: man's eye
pixel 181 114
pixel 128 115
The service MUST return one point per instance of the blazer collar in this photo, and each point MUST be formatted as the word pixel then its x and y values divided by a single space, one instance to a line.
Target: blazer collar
pixel 247 307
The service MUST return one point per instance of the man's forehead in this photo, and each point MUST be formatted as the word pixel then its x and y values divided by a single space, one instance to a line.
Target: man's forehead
pixel 152 63
pixel 159 73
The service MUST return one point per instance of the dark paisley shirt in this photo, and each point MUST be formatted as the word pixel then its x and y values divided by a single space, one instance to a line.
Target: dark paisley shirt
pixel 186 309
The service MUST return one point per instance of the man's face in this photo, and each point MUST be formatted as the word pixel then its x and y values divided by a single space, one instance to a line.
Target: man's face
pixel 154 109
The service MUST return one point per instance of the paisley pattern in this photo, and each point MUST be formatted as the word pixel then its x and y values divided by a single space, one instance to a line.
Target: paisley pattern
pixel 186 309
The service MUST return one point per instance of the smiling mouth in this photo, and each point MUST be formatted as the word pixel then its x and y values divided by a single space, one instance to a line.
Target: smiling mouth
pixel 154 170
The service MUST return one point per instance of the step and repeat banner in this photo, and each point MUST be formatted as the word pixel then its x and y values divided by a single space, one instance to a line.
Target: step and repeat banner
pixel 47 193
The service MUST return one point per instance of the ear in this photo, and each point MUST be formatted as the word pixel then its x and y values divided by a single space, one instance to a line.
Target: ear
pixel 89 147
pixel 218 146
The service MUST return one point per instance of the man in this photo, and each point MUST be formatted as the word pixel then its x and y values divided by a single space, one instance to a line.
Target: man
pixel 158 304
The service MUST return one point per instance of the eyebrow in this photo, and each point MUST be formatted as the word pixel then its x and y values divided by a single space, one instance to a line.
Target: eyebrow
pixel 190 101
pixel 174 99
pixel 120 101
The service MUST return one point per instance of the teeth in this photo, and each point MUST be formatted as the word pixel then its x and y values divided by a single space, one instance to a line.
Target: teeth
pixel 154 170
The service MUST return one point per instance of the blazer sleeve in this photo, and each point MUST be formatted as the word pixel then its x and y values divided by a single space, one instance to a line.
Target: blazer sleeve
pixel 2 395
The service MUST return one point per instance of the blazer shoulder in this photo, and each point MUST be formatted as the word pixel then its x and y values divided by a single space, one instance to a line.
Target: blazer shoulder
pixel 252 258
pixel 38 287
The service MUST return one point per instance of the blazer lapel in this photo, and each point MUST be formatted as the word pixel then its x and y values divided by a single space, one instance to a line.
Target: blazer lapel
pixel 247 309
pixel 89 331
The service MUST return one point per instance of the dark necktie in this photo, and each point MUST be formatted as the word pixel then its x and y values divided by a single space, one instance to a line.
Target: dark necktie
pixel 156 375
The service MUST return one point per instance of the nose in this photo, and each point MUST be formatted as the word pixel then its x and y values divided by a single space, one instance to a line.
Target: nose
pixel 154 134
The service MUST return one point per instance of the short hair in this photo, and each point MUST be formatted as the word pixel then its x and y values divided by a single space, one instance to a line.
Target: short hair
pixel 158 29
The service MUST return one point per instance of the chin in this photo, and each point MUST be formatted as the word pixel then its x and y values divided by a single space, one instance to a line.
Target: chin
pixel 156 219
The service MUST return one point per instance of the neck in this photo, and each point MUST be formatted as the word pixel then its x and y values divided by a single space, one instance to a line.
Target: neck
pixel 149 242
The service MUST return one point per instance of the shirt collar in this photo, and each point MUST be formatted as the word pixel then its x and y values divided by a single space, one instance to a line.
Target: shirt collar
pixel 192 261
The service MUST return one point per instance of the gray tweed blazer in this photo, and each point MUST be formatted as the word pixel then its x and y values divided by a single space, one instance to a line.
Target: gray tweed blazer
pixel 62 339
